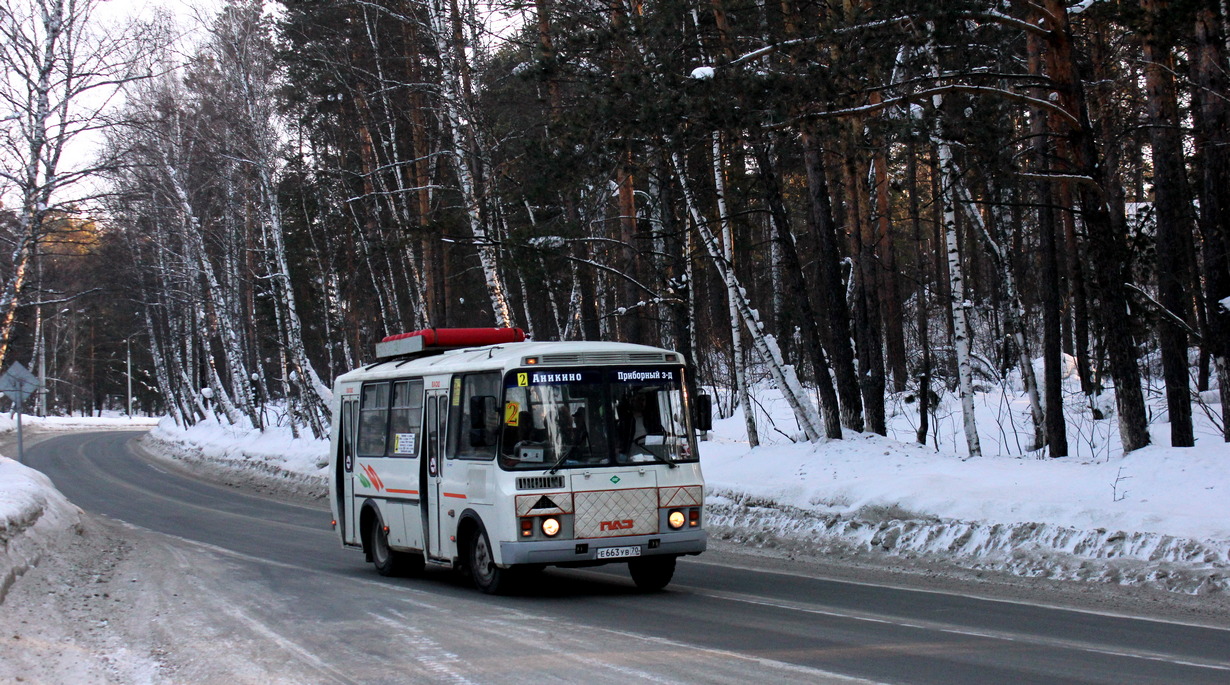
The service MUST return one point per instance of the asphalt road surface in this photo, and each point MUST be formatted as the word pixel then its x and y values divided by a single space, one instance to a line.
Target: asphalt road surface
pixel 317 612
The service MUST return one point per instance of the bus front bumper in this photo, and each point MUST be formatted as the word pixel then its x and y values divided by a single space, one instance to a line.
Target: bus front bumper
pixel 588 551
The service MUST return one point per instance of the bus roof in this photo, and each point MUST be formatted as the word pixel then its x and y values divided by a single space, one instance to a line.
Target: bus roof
pixel 512 355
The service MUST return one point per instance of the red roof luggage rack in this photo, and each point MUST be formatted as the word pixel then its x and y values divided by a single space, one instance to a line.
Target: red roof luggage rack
pixel 437 340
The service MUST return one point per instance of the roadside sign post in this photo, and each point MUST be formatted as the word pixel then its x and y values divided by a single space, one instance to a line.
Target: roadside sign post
pixel 17 384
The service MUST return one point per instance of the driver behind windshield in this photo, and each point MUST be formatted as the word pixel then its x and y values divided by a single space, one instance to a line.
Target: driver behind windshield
pixel 638 418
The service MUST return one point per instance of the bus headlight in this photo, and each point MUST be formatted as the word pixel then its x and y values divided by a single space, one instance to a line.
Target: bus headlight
pixel 676 519
pixel 550 527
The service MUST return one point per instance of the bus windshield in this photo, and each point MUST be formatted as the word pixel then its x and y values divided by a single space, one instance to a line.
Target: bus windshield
pixel 566 418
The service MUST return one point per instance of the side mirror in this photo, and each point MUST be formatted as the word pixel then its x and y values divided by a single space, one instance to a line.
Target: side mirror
pixel 704 413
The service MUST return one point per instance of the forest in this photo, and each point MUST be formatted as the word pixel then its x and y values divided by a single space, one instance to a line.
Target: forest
pixel 844 200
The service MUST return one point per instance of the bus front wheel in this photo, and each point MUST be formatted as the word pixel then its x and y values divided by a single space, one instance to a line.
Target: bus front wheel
pixel 487 577
pixel 652 573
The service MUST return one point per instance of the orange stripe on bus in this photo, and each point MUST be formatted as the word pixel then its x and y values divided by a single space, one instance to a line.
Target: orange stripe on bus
pixel 404 492
pixel 454 494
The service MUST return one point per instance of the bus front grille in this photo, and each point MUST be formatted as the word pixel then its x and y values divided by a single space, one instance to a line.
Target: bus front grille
pixel 610 513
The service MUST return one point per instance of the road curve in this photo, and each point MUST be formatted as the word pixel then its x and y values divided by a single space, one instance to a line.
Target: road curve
pixel 327 613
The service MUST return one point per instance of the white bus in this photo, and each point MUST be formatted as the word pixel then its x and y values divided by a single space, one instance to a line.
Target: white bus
pixel 497 456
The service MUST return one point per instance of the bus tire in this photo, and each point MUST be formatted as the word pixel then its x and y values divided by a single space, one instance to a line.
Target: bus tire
pixel 487 577
pixel 652 573
pixel 389 562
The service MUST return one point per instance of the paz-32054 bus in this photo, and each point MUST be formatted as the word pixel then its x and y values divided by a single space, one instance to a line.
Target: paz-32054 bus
pixel 479 450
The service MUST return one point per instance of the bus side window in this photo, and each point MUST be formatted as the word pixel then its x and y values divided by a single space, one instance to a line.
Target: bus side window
pixel 464 440
pixel 346 433
pixel 405 418
pixel 373 420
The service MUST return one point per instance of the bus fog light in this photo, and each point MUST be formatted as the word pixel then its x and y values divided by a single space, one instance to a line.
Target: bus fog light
pixel 550 527
pixel 676 519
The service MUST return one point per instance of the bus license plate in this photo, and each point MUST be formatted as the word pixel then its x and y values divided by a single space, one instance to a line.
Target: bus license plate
pixel 618 552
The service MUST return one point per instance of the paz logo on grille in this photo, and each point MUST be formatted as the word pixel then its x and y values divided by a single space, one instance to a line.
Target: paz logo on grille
pixel 612 513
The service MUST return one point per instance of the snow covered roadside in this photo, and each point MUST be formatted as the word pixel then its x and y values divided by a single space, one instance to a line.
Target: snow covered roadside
pixel 273 461
pixel 1157 517
pixel 34 516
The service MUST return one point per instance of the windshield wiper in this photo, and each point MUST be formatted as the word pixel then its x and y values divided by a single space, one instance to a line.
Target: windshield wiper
pixel 662 460
pixel 568 453
pixel 562 458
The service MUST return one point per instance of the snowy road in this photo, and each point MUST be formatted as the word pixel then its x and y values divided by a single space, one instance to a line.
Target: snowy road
pixel 253 590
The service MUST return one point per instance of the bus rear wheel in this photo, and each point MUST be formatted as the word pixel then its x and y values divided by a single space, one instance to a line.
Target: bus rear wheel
pixel 487 577
pixel 389 562
pixel 652 573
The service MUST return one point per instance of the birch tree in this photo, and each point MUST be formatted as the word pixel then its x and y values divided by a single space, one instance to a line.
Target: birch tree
pixel 728 255
pixel 242 49
pixel 765 344
pixel 957 302
pixel 459 118
pixel 60 73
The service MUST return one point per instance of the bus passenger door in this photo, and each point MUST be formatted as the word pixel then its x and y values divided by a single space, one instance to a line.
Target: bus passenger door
pixel 432 469
pixel 345 481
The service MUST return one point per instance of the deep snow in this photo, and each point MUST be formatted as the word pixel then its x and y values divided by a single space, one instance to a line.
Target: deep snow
pixel 1157 516
pixel 34 516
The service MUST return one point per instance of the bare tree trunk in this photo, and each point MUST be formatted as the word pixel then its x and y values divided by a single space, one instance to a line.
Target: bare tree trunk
pixel 957 302
pixel 831 289
pixel 893 321
pixel 736 337
pixel 1014 312
pixel 764 343
pixel 1077 290
pixel 629 300
pixel 865 281
pixel 434 284
pixel 453 100
pixel 213 298
pixel 1107 241
pixel 1213 150
pixel 924 323
pixel 1174 229
pixel 1056 429
pixel 793 279
pixel 314 393
pixel 1052 349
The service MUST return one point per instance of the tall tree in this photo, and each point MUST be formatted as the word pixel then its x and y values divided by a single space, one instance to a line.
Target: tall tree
pixel 1213 150
pixel 1107 240
pixel 61 70
pixel 1174 226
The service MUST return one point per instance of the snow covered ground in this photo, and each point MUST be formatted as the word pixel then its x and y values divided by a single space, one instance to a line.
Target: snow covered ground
pixel 1156 517
pixel 34 516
